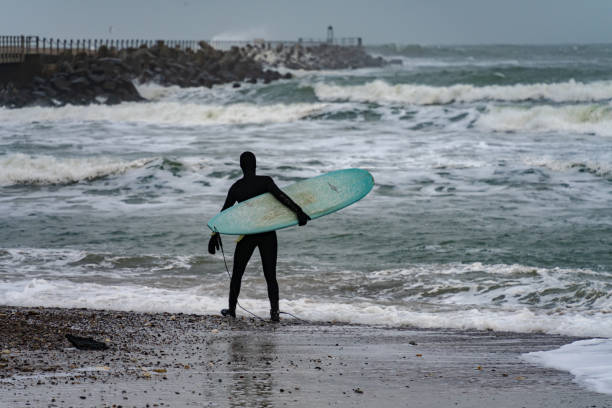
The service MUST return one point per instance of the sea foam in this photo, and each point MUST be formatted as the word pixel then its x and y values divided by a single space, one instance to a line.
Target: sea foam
pixel 379 91
pixel 598 168
pixel 207 299
pixel 165 113
pixel 19 168
pixel 590 361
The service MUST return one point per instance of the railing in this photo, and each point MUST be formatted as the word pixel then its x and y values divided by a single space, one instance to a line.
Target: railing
pixel 341 41
pixel 59 46
pixel 225 45
pixel 13 49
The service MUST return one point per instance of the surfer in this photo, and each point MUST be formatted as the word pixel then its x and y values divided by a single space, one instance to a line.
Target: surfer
pixel 249 186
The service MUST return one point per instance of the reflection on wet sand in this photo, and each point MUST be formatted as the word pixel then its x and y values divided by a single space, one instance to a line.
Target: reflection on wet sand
pixel 251 379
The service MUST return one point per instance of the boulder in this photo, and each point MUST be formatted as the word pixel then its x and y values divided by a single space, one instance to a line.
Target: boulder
pixel 80 82
pixel 109 75
pixel 109 85
pixel 61 84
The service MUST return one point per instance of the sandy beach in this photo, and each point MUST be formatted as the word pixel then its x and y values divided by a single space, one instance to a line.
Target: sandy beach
pixel 192 360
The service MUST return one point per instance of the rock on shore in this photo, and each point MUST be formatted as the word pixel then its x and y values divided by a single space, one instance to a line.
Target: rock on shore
pixel 108 77
pixel 323 56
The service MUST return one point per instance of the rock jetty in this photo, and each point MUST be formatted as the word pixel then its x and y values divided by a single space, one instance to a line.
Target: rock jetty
pixel 108 76
pixel 317 57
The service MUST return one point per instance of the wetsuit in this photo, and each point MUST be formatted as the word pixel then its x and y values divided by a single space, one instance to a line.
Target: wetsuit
pixel 248 187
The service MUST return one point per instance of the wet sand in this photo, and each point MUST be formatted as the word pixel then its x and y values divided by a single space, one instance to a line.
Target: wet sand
pixel 189 360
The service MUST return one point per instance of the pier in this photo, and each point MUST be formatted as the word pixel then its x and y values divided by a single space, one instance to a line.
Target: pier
pixel 15 48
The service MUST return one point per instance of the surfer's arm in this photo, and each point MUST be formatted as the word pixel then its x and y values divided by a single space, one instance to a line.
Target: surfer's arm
pixel 229 200
pixel 287 202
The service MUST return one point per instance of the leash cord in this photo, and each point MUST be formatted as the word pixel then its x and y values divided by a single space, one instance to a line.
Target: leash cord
pixel 237 302
pixel 230 278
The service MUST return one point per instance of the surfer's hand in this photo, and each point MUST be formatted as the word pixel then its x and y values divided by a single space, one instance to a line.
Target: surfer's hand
pixel 303 218
pixel 213 243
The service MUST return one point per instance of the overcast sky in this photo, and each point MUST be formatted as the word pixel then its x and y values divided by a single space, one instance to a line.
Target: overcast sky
pixel 382 21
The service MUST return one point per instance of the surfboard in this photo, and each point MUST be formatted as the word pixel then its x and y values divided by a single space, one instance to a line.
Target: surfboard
pixel 318 196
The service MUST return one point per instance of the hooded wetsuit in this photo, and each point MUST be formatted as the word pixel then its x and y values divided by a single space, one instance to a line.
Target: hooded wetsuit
pixel 248 187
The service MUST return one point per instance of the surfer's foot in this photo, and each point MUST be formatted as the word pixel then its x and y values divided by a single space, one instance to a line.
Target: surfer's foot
pixel 274 316
pixel 228 312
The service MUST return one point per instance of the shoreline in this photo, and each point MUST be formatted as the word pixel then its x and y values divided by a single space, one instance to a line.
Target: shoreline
pixel 203 360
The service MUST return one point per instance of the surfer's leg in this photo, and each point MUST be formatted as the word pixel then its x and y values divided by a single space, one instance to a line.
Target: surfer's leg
pixel 268 248
pixel 244 250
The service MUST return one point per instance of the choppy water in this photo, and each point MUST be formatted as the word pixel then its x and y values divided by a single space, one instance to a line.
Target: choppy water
pixel 492 206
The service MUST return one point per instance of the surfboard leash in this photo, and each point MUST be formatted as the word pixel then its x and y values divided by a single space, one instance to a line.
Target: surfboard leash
pixel 237 302
pixel 230 278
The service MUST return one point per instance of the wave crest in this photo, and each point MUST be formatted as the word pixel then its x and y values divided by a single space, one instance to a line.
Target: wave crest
pixel 379 91
pixel 596 119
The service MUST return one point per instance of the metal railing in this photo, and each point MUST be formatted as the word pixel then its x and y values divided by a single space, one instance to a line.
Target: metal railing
pixel 341 41
pixel 13 49
pixel 225 45
pixel 59 46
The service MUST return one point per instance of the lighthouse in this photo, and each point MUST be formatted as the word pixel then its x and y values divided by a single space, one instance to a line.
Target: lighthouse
pixel 330 35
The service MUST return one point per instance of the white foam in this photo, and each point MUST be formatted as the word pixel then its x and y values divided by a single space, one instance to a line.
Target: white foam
pixel 61 293
pixel 165 113
pixel 571 118
pixel 379 91
pixel 599 168
pixel 207 299
pixel 590 361
pixel 21 168
pixel 219 95
pixel 155 92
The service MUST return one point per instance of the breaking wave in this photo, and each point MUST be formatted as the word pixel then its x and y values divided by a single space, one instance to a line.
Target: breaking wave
pixel 462 296
pixel 596 119
pixel 155 92
pixel 200 300
pixel 21 168
pixel 166 113
pixel 379 91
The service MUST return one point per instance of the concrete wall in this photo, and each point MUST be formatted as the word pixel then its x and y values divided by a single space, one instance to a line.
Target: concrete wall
pixel 21 73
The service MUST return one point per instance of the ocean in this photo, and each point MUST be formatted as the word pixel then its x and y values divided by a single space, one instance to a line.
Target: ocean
pixel 492 207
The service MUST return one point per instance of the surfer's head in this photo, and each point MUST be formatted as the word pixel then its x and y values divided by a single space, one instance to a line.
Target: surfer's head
pixel 247 163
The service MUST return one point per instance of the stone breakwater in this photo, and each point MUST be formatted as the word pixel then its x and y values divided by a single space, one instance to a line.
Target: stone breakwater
pixel 317 57
pixel 108 76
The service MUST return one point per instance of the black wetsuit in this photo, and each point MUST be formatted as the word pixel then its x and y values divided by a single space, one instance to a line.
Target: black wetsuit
pixel 247 187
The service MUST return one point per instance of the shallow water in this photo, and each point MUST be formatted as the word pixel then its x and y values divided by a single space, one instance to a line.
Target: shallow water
pixel 492 206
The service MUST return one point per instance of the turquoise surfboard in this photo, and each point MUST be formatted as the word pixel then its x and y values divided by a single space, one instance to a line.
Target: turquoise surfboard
pixel 318 196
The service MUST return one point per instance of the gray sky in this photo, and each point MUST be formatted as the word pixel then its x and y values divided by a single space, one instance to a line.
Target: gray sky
pixel 383 21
